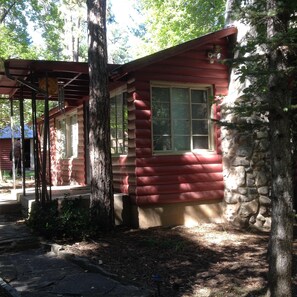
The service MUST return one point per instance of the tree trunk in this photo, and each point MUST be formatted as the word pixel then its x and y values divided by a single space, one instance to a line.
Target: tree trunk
pixel 102 208
pixel 281 236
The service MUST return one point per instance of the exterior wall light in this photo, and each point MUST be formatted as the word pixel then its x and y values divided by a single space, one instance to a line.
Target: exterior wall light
pixel 214 54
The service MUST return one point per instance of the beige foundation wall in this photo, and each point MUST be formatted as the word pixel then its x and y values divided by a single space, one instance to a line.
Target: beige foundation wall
pixel 186 214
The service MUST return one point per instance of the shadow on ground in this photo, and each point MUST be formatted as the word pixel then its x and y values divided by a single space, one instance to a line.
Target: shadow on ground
pixel 210 260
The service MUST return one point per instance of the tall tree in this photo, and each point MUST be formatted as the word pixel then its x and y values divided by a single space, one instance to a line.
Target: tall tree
pixel 14 36
pixel 102 209
pixel 20 19
pixel 280 34
pixel 266 65
pixel 74 45
pixel 173 22
pixel 46 17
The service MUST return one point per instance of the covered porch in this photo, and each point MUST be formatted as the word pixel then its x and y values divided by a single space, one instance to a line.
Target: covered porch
pixel 64 83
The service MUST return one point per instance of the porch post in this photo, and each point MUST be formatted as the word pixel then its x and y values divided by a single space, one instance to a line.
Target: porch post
pixel 35 149
pixel 12 142
pixel 45 196
pixel 21 103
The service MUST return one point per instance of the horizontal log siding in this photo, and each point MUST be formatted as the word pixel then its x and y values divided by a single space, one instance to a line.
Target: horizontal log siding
pixel 123 173
pixel 5 148
pixel 177 178
pixel 70 170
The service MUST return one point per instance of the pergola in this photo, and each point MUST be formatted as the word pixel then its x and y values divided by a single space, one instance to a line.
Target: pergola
pixel 64 82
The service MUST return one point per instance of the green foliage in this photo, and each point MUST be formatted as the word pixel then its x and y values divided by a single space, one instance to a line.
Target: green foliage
pixel 44 220
pixel 47 18
pixel 14 28
pixel 74 218
pixel 173 22
pixel 253 64
pixel 13 47
pixel 13 23
pixel 5 111
pixel 70 221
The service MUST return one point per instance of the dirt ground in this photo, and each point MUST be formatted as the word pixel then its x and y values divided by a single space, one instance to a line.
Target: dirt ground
pixel 206 261
pixel 209 260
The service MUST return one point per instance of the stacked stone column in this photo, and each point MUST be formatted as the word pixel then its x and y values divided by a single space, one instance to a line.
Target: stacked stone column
pixel 246 170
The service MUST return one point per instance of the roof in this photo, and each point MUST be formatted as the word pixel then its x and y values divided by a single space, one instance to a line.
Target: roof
pixel 6 132
pixel 21 77
pixel 24 76
pixel 173 51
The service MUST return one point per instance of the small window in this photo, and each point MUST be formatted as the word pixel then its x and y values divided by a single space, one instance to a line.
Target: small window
pixel 119 124
pixel 67 136
pixel 181 119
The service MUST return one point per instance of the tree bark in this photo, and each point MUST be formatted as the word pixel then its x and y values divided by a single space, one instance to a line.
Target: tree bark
pixel 281 236
pixel 102 207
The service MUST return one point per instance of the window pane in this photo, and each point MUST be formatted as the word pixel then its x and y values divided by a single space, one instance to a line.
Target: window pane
pixel 162 143
pixel 73 136
pixel 181 127
pixel 180 111
pixel 161 119
pixel 180 95
pixel 181 143
pixel 120 133
pixel 200 127
pixel 200 142
pixel 112 118
pixel 199 111
pixel 161 127
pixel 61 139
pixel 118 123
pixel 198 96
pixel 125 124
pixel 180 119
pixel 160 95
pixel 161 110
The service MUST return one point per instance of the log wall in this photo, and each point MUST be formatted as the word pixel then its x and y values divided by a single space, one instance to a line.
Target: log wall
pixel 188 177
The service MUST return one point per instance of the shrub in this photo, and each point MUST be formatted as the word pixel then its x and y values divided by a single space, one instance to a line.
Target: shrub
pixel 70 221
pixel 74 218
pixel 44 219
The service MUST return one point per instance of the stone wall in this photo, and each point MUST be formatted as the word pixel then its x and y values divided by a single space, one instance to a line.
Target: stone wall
pixel 246 169
pixel 246 157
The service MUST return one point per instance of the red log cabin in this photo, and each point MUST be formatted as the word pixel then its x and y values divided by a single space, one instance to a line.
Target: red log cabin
pixel 165 146
pixel 6 148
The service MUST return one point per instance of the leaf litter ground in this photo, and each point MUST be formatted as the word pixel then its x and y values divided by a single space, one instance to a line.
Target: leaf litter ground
pixel 206 261
pixel 210 260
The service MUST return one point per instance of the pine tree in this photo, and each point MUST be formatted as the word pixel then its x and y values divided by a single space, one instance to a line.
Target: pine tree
pixel 266 66
pixel 102 209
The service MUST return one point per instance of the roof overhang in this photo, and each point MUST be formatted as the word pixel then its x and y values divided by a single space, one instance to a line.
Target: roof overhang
pixel 135 65
pixel 22 78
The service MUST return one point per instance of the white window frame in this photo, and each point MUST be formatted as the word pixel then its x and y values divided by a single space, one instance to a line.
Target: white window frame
pixel 209 90
pixel 68 149
pixel 119 145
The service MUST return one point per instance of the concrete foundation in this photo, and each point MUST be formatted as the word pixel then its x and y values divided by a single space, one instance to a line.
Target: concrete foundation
pixel 187 214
